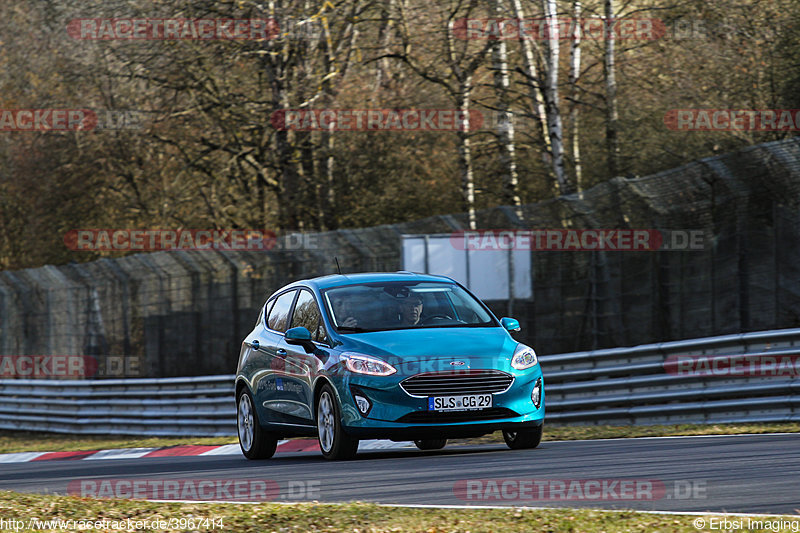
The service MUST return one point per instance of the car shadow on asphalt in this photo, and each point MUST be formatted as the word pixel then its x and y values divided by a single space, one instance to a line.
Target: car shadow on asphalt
pixel 372 455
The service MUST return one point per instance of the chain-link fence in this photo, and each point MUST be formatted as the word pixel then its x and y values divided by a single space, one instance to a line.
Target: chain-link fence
pixel 184 313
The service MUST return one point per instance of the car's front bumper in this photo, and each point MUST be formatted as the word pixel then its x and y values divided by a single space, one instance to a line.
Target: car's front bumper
pixel 396 415
pixel 398 432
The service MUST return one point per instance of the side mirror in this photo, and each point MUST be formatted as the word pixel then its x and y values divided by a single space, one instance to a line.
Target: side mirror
pixel 299 335
pixel 511 324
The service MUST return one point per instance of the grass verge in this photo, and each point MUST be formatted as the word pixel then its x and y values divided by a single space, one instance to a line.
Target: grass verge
pixel 619 432
pixel 11 442
pixel 351 517
pixel 24 441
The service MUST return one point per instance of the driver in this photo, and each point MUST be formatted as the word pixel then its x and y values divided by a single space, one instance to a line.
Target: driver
pixel 343 309
pixel 411 310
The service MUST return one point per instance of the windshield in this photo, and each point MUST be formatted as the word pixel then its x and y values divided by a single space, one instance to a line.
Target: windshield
pixel 391 305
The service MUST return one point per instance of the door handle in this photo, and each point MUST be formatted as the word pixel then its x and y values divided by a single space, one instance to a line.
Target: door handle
pixel 281 351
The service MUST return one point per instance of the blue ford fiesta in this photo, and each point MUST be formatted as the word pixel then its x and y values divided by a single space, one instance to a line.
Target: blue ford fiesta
pixel 396 356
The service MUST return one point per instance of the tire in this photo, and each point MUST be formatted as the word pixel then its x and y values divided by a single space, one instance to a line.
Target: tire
pixel 253 440
pixel 523 439
pixel 430 444
pixel 334 443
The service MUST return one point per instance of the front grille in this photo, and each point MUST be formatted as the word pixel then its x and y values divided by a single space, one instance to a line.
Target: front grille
pixel 435 417
pixel 460 382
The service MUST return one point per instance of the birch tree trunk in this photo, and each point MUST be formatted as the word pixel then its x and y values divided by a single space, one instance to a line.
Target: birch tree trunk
pixel 457 80
pixel 384 36
pixel 504 123
pixel 276 73
pixel 612 114
pixel 336 62
pixel 574 75
pixel 554 124
pixel 465 153
pixel 327 193
pixel 532 75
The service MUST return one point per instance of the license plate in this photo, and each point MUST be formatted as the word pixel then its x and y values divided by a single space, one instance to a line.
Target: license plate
pixel 464 402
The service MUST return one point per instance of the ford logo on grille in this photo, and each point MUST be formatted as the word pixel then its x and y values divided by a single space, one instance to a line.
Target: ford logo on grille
pixel 457 363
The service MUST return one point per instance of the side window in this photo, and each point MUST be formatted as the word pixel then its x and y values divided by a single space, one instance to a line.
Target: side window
pixel 306 314
pixel 261 313
pixel 279 314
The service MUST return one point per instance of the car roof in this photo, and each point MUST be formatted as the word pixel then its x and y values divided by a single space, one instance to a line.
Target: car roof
pixel 339 280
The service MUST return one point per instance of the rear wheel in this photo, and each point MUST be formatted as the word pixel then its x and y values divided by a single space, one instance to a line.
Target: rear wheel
pixel 254 441
pixel 333 441
pixel 430 444
pixel 522 439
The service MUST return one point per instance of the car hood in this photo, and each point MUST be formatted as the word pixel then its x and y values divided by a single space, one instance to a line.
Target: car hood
pixel 490 347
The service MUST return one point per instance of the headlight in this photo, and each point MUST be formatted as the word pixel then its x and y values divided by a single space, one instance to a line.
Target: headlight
pixel 364 364
pixel 524 357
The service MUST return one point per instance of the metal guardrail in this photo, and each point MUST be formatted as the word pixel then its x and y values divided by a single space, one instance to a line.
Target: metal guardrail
pixel 200 406
pixel 617 386
pixel 631 385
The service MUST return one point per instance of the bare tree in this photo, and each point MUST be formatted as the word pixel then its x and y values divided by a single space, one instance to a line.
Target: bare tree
pixel 533 82
pixel 460 66
pixel 387 23
pixel 227 91
pixel 612 113
pixel 574 76
pixel 551 99
pixel 336 59
pixel 505 124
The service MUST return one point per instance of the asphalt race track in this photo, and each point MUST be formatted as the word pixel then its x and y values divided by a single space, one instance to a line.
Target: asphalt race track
pixel 746 474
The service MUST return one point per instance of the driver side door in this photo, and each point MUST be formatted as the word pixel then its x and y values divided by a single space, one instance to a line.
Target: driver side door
pixel 303 364
pixel 272 354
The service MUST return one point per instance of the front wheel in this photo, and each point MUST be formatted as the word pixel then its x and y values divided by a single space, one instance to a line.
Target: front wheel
pixel 254 441
pixel 523 439
pixel 430 444
pixel 333 441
